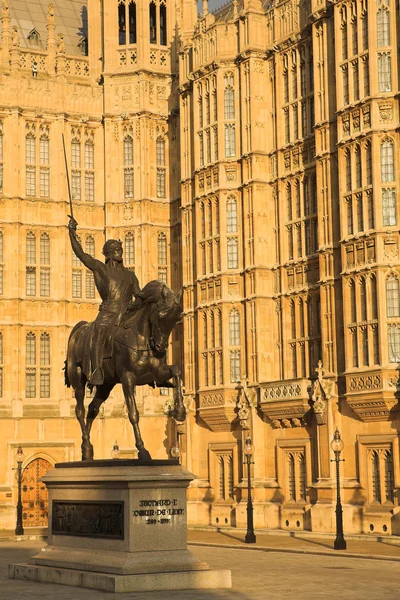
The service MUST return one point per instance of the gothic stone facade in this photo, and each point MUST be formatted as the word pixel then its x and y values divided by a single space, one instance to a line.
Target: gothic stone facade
pixel 249 156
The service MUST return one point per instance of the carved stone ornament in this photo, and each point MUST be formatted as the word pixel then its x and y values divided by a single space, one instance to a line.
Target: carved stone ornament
pixel 245 402
pixel 285 403
pixel 218 409
pixel 386 112
pixel 320 394
pixel 372 396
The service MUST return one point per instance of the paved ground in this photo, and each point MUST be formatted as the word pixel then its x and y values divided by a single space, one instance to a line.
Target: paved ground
pixel 257 575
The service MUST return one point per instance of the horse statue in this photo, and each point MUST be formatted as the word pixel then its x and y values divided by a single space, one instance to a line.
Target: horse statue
pixel 136 356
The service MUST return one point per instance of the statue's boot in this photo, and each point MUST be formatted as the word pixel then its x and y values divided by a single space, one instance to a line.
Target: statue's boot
pixel 97 376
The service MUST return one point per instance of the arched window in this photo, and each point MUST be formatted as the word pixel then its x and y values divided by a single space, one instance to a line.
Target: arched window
pixel 45 365
pixel 121 22
pixel 234 328
pixel 301 318
pixel 163 23
pixel 291 478
pixel 376 477
pixel 233 255
pixel 89 171
pixel 30 168
pixel 389 207
pixel 230 140
pixel 348 170
pixel 353 302
pixel 392 297
pixel 384 72
pixel 161 170
pixel 235 366
pixel 162 257
pixel 44 249
pixel 364 22
pixel 89 278
pixel 44 265
pixel 76 274
pixel 292 320
pixel 229 97
pixel 153 23
pixel 76 167
pixel 374 298
pixel 128 167
pixel 389 476
pixel 44 158
pixel 231 215
pixel 30 362
pixel 289 201
pixel 368 162
pixel 394 343
pixel 129 249
pixel 387 161
pixel 383 27
pixel 363 299
pixel 298 202
pixel 358 167
pixel 30 264
pixel 354 35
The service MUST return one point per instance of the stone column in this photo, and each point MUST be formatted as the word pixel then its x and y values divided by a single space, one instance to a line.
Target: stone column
pixel 51 41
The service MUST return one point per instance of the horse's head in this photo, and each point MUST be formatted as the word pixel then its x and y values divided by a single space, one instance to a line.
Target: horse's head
pixel 164 315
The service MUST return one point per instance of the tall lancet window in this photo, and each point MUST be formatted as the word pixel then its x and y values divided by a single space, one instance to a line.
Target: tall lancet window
pixel 126 22
pixel 163 23
pixel 128 167
pixel 153 22
pixel 121 22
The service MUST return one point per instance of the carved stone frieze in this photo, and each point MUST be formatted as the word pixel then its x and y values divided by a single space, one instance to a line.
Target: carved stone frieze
pixel 285 403
pixel 218 409
pixel 373 396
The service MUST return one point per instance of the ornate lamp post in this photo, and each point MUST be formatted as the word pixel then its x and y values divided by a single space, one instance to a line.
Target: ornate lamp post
pixel 248 452
pixel 337 446
pixel 19 529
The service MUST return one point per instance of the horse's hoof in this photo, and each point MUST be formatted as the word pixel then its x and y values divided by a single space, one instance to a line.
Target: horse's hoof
pixel 143 454
pixel 179 414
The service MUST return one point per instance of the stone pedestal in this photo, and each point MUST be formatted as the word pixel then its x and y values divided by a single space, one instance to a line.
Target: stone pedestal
pixel 119 526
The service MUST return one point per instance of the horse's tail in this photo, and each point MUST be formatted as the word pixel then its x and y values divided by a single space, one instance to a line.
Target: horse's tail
pixel 65 368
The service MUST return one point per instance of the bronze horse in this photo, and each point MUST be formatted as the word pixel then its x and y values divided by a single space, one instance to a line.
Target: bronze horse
pixel 137 356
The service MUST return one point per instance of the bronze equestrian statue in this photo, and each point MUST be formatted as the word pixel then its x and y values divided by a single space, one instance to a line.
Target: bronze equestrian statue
pixel 126 343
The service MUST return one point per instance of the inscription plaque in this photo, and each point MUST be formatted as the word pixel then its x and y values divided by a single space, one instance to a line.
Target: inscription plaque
pixel 88 519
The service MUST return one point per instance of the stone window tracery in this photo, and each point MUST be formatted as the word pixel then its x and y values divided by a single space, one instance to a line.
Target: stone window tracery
pixel 162 257
pixel 126 22
pixel 44 365
pixel 77 268
pixel 30 365
pixel 45 264
pixel 129 250
pixel 89 278
pixel 161 168
pixel 128 166
pixel 30 264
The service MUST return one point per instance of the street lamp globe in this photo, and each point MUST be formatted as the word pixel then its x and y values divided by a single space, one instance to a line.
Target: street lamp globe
pixel 248 447
pixel 176 450
pixel 337 444
pixel 115 452
pixel 20 455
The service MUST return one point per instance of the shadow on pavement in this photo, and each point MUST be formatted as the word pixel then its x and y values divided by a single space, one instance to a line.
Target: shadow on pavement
pixel 308 541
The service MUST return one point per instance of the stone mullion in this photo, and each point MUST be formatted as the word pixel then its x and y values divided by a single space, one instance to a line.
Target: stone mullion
pixel 382 475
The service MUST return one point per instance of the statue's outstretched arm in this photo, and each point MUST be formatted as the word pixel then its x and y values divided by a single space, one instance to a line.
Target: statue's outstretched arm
pixel 91 263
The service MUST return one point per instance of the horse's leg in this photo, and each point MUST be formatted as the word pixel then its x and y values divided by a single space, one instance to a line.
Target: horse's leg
pixel 102 393
pixel 179 412
pixel 79 389
pixel 128 386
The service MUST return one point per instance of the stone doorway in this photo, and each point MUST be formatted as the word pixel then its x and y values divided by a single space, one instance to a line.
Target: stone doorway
pixel 34 494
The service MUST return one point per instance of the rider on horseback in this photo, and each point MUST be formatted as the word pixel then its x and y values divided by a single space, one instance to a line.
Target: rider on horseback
pixel 116 285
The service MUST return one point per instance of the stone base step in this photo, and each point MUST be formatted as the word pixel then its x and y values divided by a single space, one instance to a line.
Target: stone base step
pixel 147 582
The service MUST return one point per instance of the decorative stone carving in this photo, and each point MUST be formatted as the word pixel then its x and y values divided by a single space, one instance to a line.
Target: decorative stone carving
pixel 218 409
pixel 285 403
pixel 320 394
pixel 372 396
pixel 385 112
pixel 245 402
